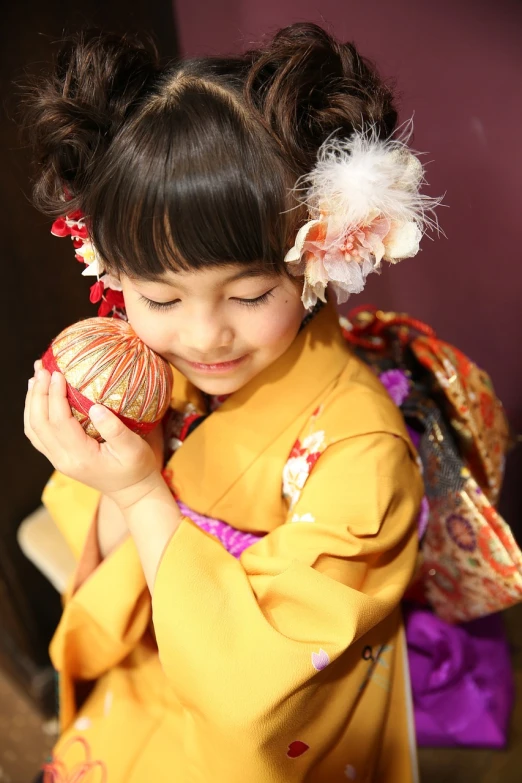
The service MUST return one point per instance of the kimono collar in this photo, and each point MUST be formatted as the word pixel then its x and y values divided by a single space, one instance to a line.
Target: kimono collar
pixel 270 408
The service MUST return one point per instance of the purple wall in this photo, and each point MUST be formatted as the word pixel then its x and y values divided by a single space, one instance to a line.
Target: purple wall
pixel 458 66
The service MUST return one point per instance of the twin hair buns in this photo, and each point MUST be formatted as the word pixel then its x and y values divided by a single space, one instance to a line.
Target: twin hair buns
pixel 213 143
pixel 301 86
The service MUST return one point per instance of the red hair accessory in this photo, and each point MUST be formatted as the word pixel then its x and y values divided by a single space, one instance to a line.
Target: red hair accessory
pixel 107 289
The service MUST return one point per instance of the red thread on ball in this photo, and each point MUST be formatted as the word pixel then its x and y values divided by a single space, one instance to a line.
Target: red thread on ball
pixel 82 404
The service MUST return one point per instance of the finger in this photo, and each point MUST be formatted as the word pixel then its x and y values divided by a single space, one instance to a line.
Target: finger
pixel 39 407
pixel 29 432
pixel 27 406
pixel 59 408
pixel 120 440
pixel 67 430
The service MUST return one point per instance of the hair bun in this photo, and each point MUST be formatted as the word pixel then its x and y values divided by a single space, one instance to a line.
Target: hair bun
pixel 307 85
pixel 77 109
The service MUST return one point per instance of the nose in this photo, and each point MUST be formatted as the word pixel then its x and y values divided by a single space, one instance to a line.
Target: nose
pixel 205 338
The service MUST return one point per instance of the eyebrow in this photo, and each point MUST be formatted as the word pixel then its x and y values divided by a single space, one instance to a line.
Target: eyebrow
pixel 253 271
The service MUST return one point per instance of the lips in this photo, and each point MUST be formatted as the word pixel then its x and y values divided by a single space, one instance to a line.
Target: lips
pixel 217 366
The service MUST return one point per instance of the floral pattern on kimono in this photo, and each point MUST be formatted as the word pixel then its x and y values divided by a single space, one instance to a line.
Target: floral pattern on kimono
pixel 305 453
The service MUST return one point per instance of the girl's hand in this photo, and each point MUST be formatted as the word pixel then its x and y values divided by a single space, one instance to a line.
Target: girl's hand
pixel 156 440
pixel 124 467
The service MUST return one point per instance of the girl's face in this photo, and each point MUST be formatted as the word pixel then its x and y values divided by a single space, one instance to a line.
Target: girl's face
pixel 219 327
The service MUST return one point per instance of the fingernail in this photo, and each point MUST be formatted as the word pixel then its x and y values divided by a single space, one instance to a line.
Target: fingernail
pixel 39 374
pixel 30 383
pixel 97 412
pixel 54 376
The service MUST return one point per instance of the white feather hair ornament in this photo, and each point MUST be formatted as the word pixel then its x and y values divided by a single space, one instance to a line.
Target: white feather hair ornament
pixel 364 206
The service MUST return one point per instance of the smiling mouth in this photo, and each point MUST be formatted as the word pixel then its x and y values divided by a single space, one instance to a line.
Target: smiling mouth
pixel 217 366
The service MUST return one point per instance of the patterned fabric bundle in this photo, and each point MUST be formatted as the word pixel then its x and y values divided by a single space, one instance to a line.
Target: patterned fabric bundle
pixel 471 565
pixel 104 361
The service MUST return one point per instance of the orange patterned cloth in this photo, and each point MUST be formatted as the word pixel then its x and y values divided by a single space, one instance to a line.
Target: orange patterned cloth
pixel 471 565
pixel 475 413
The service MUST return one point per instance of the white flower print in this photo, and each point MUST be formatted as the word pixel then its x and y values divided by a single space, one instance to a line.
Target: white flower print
pixel 314 442
pixel 303 518
pixel 295 474
pixel 302 458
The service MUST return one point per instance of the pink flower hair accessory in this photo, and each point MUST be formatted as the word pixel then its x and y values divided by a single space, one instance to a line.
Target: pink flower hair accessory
pixel 364 207
pixel 107 289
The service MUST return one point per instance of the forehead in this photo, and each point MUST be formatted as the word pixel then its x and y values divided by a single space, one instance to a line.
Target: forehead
pixel 212 277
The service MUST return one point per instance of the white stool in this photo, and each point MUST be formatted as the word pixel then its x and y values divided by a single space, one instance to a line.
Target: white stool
pixel 43 544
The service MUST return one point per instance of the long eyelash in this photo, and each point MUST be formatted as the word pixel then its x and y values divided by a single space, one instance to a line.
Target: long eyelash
pixel 258 301
pixel 152 305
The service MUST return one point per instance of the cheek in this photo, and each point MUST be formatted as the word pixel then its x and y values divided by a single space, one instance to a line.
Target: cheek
pixel 146 327
pixel 279 327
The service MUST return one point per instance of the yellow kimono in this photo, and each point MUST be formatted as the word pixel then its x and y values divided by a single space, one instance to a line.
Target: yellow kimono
pixel 287 664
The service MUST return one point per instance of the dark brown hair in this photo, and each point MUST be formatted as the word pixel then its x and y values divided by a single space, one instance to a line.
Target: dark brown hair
pixel 192 163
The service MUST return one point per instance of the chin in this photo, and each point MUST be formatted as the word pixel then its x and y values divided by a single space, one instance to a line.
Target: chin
pixel 215 386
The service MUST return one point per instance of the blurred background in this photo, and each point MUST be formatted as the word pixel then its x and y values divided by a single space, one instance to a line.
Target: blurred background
pixel 457 65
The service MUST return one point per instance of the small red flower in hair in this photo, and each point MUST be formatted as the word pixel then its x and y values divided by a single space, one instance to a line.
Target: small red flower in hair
pixel 106 290
pixel 96 292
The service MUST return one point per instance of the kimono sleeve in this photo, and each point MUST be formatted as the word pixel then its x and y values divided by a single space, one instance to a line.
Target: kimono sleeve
pixel 105 617
pixel 334 570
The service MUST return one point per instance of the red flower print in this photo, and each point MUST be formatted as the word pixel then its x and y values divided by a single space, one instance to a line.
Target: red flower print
pixel 297 450
pixel 312 458
pixel 494 552
pixel 487 409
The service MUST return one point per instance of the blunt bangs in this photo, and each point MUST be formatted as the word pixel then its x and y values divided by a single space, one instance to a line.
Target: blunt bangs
pixel 191 182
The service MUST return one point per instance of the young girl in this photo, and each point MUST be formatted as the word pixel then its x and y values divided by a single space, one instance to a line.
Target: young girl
pixel 234 616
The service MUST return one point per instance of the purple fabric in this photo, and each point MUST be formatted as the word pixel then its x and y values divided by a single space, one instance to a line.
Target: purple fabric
pixel 424 517
pixel 461 678
pixel 397 384
pixel 234 541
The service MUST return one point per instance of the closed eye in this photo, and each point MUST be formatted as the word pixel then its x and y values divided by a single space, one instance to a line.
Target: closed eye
pixel 256 302
pixel 259 300
pixel 152 305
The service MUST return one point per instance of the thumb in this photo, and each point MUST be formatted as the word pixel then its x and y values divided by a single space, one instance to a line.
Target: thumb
pixel 119 438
